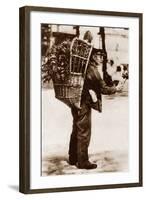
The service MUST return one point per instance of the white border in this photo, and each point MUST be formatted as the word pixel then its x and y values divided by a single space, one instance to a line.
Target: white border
pixel 38 182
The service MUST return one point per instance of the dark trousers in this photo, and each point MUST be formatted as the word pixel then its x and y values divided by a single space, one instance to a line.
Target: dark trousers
pixel 81 133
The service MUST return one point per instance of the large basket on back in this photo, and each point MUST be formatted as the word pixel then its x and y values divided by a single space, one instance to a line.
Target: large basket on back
pixel 69 90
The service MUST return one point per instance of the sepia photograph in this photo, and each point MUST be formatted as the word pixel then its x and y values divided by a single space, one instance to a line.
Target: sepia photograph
pixel 80 99
pixel 85 101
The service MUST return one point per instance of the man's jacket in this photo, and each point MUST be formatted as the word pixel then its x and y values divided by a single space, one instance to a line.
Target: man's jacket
pixel 94 82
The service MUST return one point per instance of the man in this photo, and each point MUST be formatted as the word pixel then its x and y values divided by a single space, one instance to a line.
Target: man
pixel 81 133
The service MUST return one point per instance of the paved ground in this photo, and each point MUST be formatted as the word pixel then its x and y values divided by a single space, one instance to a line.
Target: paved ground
pixel 109 141
pixel 108 161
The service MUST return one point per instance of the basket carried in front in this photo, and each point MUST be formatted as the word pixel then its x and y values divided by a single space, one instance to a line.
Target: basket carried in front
pixel 68 77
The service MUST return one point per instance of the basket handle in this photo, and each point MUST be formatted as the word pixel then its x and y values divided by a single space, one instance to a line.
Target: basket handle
pixel 71 54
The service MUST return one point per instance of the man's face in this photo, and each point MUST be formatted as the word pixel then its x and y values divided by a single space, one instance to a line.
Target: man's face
pixel 98 59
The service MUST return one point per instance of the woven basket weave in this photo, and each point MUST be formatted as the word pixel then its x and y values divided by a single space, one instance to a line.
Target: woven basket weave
pixel 69 91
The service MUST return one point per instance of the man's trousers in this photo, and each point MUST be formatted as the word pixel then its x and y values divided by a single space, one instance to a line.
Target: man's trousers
pixel 81 133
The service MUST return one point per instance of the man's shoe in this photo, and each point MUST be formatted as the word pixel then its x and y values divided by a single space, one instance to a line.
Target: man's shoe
pixel 86 165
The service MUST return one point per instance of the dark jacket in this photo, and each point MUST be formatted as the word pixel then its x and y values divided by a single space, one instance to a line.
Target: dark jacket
pixel 94 81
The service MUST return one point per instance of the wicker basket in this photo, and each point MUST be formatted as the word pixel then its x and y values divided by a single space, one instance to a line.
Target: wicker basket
pixel 70 89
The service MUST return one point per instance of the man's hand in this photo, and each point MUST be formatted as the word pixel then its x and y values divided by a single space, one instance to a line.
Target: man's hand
pixel 119 87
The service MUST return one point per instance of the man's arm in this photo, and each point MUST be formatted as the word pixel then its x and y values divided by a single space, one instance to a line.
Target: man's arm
pixel 98 80
pixel 106 89
pixel 110 90
pixel 94 76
